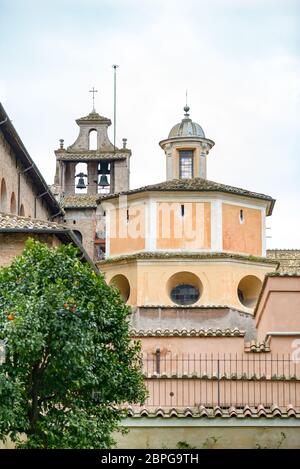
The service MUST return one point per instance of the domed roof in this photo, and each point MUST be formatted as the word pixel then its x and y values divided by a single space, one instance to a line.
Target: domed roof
pixel 187 128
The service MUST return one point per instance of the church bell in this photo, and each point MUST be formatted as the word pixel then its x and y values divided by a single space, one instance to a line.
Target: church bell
pixel 104 168
pixel 103 181
pixel 81 183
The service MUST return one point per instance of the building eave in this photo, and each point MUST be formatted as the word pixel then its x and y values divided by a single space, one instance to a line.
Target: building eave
pixel 16 143
pixel 65 235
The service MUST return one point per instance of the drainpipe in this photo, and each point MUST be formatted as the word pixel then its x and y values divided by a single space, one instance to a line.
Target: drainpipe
pixel 55 215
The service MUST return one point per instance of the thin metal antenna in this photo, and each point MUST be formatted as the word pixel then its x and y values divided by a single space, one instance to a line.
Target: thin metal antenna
pixel 186 97
pixel 115 101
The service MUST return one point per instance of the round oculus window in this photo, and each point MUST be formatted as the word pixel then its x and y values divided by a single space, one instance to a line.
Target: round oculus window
pixel 185 294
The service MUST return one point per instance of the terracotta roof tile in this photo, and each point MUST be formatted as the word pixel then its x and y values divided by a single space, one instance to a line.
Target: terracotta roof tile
pixel 189 255
pixel 10 221
pixel 196 185
pixel 92 116
pixel 257 347
pixel 187 333
pixel 213 412
pixel 88 156
pixel 80 200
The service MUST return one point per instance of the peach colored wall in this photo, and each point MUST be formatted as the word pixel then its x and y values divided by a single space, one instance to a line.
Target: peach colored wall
pixel 219 278
pixel 192 345
pixel 279 307
pixel 191 231
pixel 126 237
pixel 128 269
pixel 243 237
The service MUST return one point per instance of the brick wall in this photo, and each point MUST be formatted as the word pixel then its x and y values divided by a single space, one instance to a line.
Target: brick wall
pixel 9 168
pixel 85 223
pixel 12 244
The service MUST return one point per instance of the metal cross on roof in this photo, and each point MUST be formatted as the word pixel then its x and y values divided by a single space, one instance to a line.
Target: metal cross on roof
pixel 93 91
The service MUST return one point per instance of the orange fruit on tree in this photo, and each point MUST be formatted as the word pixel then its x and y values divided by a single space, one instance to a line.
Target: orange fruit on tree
pixel 10 317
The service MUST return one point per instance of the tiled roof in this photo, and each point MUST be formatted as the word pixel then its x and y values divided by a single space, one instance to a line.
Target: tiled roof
pixel 91 155
pixel 289 273
pixel 258 347
pixel 213 412
pixel 80 200
pixel 92 116
pixel 9 221
pixel 197 185
pixel 218 376
pixel 16 223
pixel 187 333
pixel 189 255
pixel 289 260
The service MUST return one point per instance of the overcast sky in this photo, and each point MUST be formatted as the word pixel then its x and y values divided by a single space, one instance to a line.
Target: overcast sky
pixel 239 60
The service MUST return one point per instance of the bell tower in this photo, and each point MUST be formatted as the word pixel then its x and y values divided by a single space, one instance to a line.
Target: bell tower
pixel 82 169
pixel 186 149
pixel 91 166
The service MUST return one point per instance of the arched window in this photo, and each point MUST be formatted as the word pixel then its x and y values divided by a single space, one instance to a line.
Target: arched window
pixel 121 283
pixel 81 179
pixel 185 294
pixel 184 288
pixel 93 139
pixel 78 235
pixel 248 290
pixel 13 204
pixel 3 196
pixel 22 211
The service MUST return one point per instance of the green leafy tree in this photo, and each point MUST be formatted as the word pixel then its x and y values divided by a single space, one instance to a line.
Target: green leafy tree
pixel 70 363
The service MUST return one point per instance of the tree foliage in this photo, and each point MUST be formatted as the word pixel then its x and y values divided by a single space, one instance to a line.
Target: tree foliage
pixel 69 359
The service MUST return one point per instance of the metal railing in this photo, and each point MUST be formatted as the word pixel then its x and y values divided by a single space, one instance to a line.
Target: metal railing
pixel 227 380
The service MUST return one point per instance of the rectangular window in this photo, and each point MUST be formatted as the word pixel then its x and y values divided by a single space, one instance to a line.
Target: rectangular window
pixel 186 169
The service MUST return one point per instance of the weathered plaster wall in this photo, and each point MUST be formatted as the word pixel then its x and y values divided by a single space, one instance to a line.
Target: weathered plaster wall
pixel 189 318
pixel 219 278
pixel 189 231
pixel 243 237
pixel 215 435
pixel 127 229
